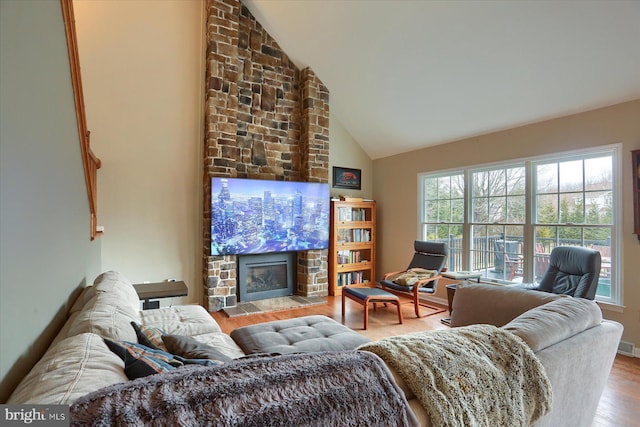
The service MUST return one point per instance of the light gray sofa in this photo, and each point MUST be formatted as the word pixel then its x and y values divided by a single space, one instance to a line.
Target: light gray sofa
pixel 78 361
pixel 573 342
pixel 568 335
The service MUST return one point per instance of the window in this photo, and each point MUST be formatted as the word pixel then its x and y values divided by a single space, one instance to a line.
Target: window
pixel 573 201
pixel 504 220
pixel 498 216
pixel 443 201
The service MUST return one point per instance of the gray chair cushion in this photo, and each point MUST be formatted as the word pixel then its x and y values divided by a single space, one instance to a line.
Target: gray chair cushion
pixel 303 334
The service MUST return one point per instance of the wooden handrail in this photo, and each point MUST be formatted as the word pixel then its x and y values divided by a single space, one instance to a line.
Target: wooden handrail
pixel 90 161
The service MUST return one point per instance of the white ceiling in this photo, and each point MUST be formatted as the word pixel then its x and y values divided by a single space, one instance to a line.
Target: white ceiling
pixel 408 74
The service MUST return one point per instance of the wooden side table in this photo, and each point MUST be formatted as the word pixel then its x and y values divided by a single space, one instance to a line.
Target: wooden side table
pixel 149 291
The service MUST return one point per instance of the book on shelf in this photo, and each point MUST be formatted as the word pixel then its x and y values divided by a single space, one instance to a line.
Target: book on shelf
pixel 354 235
pixel 359 214
pixel 352 278
pixel 346 214
pixel 361 235
pixel 349 257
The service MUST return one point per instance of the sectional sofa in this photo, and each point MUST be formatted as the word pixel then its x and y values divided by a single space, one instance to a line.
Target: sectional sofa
pixel 568 336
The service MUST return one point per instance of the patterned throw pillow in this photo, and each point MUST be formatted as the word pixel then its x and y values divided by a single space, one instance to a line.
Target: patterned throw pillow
pixel 149 336
pixel 140 361
pixel 412 276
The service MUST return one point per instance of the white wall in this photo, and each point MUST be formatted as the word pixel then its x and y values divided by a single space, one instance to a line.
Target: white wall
pixel 344 151
pixel 45 251
pixel 143 71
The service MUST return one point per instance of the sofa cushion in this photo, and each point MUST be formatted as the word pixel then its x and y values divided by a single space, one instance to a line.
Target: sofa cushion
pixel 180 320
pixel 85 296
pixel 70 369
pixel 114 283
pixel 103 315
pixel 555 321
pixel 303 334
pixel 496 305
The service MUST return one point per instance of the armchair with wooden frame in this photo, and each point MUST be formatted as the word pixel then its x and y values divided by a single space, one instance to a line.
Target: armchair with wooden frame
pixel 421 276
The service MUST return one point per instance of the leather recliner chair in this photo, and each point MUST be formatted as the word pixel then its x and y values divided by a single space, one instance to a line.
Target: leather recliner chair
pixel 573 270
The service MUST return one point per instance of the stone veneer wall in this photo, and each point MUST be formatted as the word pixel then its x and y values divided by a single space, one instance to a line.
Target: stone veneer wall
pixel 265 119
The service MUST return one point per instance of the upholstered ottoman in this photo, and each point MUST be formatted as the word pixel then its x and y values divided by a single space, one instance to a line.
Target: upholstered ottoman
pixel 303 334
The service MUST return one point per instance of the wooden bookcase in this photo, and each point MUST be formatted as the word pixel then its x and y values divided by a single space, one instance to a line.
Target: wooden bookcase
pixel 352 244
pixel 636 192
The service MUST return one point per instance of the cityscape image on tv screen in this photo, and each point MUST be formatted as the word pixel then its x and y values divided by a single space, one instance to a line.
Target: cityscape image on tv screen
pixel 250 216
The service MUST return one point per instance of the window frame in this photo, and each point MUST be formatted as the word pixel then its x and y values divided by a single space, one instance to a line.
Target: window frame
pixel 422 226
pixel 529 238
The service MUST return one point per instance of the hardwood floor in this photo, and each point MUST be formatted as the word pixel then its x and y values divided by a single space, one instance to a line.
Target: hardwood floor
pixel 619 405
pixel 620 401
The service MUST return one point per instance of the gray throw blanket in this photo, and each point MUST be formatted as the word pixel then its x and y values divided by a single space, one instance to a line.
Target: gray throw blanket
pixel 476 375
pixel 305 389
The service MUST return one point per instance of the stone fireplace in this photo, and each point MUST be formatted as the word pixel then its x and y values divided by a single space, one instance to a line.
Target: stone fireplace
pixel 265 119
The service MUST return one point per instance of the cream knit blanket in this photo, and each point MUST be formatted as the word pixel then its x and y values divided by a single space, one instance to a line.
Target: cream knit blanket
pixel 476 375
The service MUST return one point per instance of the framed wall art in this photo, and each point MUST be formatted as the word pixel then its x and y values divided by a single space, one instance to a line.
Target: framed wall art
pixel 347 178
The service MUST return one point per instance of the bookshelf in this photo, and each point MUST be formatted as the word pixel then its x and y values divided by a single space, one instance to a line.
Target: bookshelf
pixel 351 244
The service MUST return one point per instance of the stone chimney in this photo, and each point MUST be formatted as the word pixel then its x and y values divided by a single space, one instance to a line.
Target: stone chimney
pixel 265 119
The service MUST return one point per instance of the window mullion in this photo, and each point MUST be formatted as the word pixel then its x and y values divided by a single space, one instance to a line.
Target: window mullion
pixel 466 227
pixel 528 249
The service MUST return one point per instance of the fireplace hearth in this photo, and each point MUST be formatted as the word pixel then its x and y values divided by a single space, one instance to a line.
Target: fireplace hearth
pixel 264 276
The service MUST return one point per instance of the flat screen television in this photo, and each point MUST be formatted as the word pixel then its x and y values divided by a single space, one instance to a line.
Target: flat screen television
pixel 250 216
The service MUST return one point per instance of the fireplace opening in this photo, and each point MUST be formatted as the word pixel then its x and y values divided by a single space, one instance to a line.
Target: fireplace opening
pixel 263 276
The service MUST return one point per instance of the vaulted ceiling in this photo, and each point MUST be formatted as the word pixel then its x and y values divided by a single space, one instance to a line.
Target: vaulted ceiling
pixel 406 74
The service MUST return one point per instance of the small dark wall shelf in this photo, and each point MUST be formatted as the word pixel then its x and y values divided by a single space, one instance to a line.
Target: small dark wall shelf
pixel 149 291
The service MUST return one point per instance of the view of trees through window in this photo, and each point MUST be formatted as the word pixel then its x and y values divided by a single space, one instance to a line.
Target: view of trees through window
pixel 575 192
pixel 571 203
pixel 498 201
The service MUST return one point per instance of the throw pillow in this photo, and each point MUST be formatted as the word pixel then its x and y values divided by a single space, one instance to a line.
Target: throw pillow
pixel 149 336
pixel 142 366
pixel 412 276
pixel 190 348
pixel 139 362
